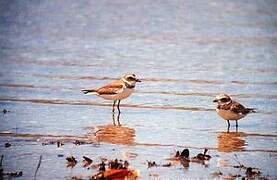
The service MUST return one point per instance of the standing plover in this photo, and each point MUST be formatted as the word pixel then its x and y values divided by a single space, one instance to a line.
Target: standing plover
pixel 230 110
pixel 116 90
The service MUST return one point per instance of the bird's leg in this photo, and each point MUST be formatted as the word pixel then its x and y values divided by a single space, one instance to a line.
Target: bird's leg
pixel 118 107
pixel 228 125
pixel 118 121
pixel 237 125
pixel 113 120
pixel 114 105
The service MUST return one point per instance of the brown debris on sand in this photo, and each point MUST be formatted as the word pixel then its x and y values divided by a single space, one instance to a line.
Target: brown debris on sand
pixel 71 161
pixel 184 159
pixel 244 173
pixel 250 172
pixel 151 164
pixel 9 174
pixel 87 161
pixel 14 174
pixel 59 143
pixel 200 158
pixel 7 144
pixel 166 165
pixel 78 142
pixel 183 154
pixel 116 169
pixel 5 111
pixel 118 164
pixel 154 164
pixel 180 157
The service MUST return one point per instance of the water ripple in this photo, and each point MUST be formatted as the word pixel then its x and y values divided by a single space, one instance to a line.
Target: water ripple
pixel 84 102
pixel 175 93
pixel 106 137
pixel 160 80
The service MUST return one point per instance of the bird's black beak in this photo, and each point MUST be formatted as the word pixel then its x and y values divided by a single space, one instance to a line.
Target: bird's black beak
pixel 137 80
pixel 215 100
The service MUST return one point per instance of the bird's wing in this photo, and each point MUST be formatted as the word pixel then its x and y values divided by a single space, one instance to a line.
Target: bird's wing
pixel 238 108
pixel 112 88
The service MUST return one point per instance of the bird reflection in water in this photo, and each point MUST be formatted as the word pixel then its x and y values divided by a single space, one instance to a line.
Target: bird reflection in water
pixel 115 133
pixel 116 120
pixel 230 141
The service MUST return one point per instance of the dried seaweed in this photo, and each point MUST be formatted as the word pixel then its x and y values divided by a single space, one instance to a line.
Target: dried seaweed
pixel 71 161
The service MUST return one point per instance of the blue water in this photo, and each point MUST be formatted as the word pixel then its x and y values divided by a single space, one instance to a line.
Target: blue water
pixel 185 52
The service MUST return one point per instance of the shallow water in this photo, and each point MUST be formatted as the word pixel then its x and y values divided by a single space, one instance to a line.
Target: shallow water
pixel 185 52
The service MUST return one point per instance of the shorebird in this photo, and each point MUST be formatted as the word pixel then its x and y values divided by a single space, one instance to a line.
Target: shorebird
pixel 230 110
pixel 116 90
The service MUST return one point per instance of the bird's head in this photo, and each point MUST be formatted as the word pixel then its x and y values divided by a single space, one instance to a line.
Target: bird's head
pixel 222 99
pixel 130 80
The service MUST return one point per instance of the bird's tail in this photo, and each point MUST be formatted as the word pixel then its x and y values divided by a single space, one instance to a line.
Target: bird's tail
pixel 251 110
pixel 89 91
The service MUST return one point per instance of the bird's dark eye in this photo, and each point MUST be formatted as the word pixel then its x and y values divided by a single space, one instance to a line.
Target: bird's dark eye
pixel 130 78
pixel 224 100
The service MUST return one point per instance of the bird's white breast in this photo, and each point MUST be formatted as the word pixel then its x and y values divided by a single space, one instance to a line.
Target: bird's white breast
pixel 229 115
pixel 126 92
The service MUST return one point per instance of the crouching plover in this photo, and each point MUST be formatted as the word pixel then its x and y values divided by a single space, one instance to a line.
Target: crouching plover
pixel 116 90
pixel 230 110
